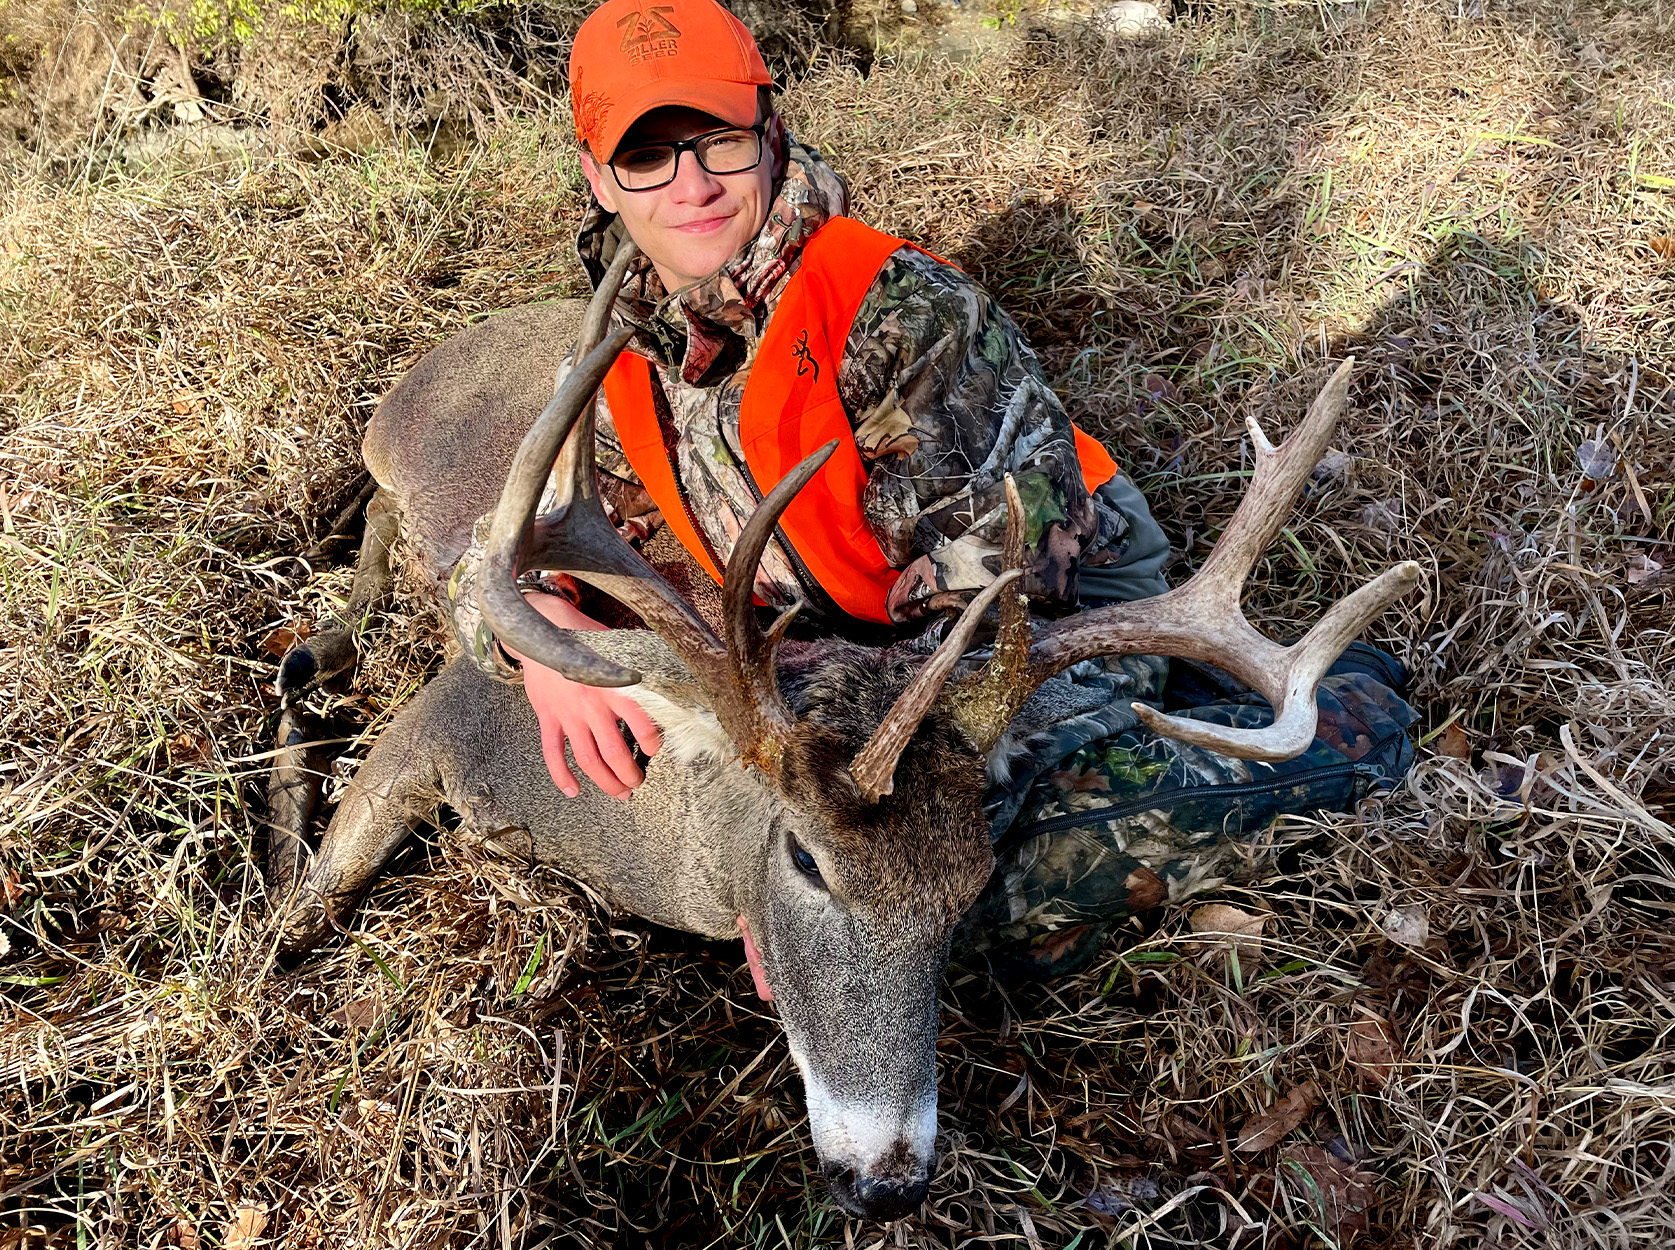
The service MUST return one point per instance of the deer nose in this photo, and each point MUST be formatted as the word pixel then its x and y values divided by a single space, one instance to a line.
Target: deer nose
pixel 879 1199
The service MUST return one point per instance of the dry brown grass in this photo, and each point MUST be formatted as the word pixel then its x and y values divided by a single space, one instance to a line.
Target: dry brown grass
pixel 1189 229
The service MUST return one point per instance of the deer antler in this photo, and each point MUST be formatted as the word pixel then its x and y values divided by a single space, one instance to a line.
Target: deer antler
pixel 1201 619
pixel 737 672
pixel 874 767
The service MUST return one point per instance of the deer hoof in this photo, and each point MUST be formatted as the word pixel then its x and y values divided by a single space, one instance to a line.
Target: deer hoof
pixel 309 663
pixel 297 670
pixel 302 926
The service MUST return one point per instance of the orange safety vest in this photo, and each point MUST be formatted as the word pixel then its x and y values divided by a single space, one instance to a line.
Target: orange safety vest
pixel 790 409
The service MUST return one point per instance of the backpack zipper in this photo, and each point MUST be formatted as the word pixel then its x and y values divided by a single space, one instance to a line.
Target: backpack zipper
pixel 1368 773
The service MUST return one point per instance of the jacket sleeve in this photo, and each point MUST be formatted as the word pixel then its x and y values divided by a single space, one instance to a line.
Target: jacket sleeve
pixel 947 398
pixel 626 503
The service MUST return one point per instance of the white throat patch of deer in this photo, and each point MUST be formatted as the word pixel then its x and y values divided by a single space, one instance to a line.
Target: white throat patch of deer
pixel 828 793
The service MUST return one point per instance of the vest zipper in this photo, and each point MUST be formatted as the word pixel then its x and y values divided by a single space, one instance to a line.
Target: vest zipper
pixel 823 603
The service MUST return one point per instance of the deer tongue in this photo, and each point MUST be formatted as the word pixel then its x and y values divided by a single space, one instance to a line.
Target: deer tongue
pixel 754 958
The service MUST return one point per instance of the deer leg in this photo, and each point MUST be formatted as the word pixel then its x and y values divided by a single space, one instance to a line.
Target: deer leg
pixel 398 781
pixel 335 649
pixel 299 762
pixel 293 795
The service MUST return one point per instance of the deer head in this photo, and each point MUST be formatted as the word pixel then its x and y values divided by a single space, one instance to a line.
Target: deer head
pixel 869 766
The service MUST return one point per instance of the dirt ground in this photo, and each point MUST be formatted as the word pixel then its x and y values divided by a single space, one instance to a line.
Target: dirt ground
pixel 1457 1024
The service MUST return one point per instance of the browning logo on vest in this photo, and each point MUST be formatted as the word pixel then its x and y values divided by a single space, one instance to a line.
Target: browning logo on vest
pixel 649 34
pixel 805 360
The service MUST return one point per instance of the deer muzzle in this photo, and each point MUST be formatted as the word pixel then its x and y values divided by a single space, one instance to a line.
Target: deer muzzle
pixel 876 1150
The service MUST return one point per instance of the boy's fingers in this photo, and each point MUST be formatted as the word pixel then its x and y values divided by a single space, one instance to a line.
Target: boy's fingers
pixel 616 753
pixel 642 726
pixel 552 750
pixel 586 751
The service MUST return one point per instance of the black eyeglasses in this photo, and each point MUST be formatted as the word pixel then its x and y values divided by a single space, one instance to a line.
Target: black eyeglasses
pixel 654 165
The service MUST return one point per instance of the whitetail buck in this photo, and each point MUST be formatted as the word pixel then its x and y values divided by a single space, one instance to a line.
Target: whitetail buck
pixel 823 793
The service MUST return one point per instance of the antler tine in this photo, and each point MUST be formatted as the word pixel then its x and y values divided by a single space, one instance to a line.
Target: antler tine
pixel 1279 475
pixel 598 314
pixel 576 536
pixel 513 620
pixel 1202 620
pixel 751 651
pixel 1288 682
pixel 874 766
pixel 986 702
pixel 1012 644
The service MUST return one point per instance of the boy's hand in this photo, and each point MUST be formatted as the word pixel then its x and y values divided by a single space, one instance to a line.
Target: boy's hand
pixel 584 716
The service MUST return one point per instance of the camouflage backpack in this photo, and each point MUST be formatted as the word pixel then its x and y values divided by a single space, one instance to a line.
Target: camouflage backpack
pixel 1107 819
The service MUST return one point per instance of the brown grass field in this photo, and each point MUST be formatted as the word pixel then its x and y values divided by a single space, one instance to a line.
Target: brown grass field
pixel 1465 993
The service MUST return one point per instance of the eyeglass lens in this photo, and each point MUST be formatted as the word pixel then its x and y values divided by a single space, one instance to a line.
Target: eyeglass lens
pixel 723 152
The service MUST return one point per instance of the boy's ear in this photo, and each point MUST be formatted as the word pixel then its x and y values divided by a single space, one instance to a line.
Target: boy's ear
pixel 603 186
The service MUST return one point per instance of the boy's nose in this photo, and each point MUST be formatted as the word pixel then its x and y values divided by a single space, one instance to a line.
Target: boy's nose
pixel 693 183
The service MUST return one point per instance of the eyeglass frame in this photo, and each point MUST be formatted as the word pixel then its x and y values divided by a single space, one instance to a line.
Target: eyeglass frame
pixel 691 145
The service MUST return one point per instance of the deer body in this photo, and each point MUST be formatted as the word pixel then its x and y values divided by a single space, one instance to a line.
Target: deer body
pixel 826 794
pixel 703 841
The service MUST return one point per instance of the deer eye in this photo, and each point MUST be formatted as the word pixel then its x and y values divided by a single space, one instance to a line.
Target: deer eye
pixel 806 863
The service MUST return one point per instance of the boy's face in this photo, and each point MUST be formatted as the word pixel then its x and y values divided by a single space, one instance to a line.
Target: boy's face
pixel 700 221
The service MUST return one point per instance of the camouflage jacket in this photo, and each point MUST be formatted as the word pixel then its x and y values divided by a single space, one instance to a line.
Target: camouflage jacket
pixel 945 397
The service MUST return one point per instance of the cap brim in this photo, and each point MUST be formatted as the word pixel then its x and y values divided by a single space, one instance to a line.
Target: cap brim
pixel 733 102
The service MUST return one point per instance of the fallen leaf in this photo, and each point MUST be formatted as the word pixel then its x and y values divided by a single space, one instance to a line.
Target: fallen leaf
pixel 183 1235
pixel 1597 459
pixel 377 1120
pixel 1339 1192
pixel 1266 1127
pixel 284 638
pixel 11 889
pixel 1663 245
pixel 187 747
pixel 1159 387
pixel 1453 743
pixel 1406 926
pixel 1124 1193
pixel 1385 515
pixel 1373 1049
pixel 1642 568
pixel 1183 1129
pixel 249 1223
pixel 1332 469
pixel 360 1014
pixel 1241 926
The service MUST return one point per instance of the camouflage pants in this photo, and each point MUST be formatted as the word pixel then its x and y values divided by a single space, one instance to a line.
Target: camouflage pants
pixel 1113 820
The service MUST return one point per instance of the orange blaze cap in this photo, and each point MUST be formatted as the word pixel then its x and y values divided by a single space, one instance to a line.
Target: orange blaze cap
pixel 632 56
